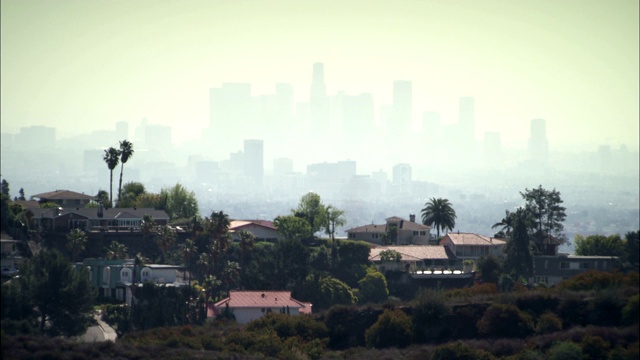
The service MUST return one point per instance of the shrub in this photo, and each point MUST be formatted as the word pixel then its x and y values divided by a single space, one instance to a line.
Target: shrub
pixel 572 310
pixel 594 347
pixel 630 311
pixel 430 309
pixel 393 329
pixel 565 350
pixel 504 320
pixel 605 309
pixel 286 326
pixel 459 351
pixel 548 323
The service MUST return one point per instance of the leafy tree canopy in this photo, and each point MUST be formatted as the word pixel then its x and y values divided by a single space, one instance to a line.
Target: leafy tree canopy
pixel 599 245
pixel 293 227
pixel 311 209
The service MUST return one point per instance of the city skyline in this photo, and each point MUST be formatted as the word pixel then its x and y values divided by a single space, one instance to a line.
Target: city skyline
pixel 519 60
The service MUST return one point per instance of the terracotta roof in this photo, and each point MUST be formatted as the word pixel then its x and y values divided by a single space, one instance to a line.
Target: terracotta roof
pixel 114 213
pixel 63 195
pixel 472 239
pixel 260 299
pixel 369 229
pixel 414 252
pixel 237 224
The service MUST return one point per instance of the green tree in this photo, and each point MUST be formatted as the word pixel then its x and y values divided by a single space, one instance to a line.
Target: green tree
pixel 292 263
pixel 439 213
pixel 126 152
pixel 329 291
pixel 147 228
pixel 5 187
pixel 231 274
pixel 293 228
pixel 61 297
pixel 112 158
pixel 632 248
pixel 390 256
pixel 188 254
pixel 116 250
pixel 179 202
pixel 21 197
pixel 217 230
pixel 393 329
pixel 130 193
pixel 373 287
pixel 490 268
pixel 519 255
pixel 599 245
pixel 311 209
pixel 547 214
pixel 334 217
pixel 76 242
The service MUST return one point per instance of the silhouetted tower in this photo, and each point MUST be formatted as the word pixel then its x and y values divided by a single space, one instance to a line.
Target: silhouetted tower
pixel 318 101
pixel 254 161
pixel 402 106
pixel 538 143
pixel 466 125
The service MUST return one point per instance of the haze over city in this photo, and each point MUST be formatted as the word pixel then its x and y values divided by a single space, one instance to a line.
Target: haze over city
pixel 397 102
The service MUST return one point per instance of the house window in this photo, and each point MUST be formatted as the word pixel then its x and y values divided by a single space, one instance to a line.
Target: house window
pixel 106 276
pixel 415 233
pixel 146 273
pixel 423 233
pixel 584 265
pixel 564 265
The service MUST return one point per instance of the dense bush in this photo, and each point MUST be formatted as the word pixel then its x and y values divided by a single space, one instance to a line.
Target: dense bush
pixel 594 347
pixel 606 308
pixel 459 351
pixel 347 325
pixel 599 280
pixel 565 350
pixel 548 323
pixel 285 326
pixel 393 329
pixel 429 311
pixel 504 320
pixel 630 311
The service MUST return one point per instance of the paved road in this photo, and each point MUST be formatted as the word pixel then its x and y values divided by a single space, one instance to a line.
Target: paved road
pixel 100 332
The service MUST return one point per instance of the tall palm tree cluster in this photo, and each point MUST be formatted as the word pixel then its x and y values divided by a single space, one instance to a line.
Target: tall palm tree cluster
pixel 112 157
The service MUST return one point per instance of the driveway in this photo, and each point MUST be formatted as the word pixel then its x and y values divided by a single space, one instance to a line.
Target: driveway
pixel 99 332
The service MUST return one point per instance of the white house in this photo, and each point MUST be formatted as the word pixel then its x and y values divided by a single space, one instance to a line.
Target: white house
pixel 250 305
pixel 415 257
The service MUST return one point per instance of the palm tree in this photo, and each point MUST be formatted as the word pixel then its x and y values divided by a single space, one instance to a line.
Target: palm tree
pixel 147 228
pixel 112 158
pixel 247 240
pixel 506 223
pixel 217 228
pixel 166 239
pixel 439 212
pixel 116 250
pixel 126 152
pixel 231 273
pixel 77 240
pixel 188 251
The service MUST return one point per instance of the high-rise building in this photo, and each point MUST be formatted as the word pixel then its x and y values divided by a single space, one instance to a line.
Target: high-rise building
pixel 402 107
pixel 282 166
pixel 538 143
pixel 36 137
pixel 254 161
pixel 229 104
pixel 122 130
pixel 318 101
pixel 402 178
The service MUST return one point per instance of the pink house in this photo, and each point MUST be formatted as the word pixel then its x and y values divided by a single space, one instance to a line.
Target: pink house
pixel 250 305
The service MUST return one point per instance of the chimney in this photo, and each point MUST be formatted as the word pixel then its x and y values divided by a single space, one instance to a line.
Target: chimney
pixel 100 210
pixel 412 218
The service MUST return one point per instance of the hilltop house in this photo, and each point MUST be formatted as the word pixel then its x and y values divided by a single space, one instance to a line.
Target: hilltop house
pixel 415 257
pixel 250 305
pixel 263 230
pixel 406 232
pixel 468 246
pixel 114 278
pixel 64 198
pixel 63 219
pixel 552 269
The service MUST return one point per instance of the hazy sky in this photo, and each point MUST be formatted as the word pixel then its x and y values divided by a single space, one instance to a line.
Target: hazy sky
pixel 83 65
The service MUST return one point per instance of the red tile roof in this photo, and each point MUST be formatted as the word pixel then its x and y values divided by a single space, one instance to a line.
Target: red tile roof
pixel 260 299
pixel 413 252
pixel 471 239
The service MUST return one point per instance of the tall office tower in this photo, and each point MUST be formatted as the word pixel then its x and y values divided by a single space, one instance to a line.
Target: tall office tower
pixel 122 130
pixel 158 137
pixel 284 103
pixel 402 107
pixel 402 178
pixel 492 148
pixel 318 101
pixel 538 143
pixel 282 166
pixel 230 107
pixel 254 161
pixel 466 123
pixel 36 137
